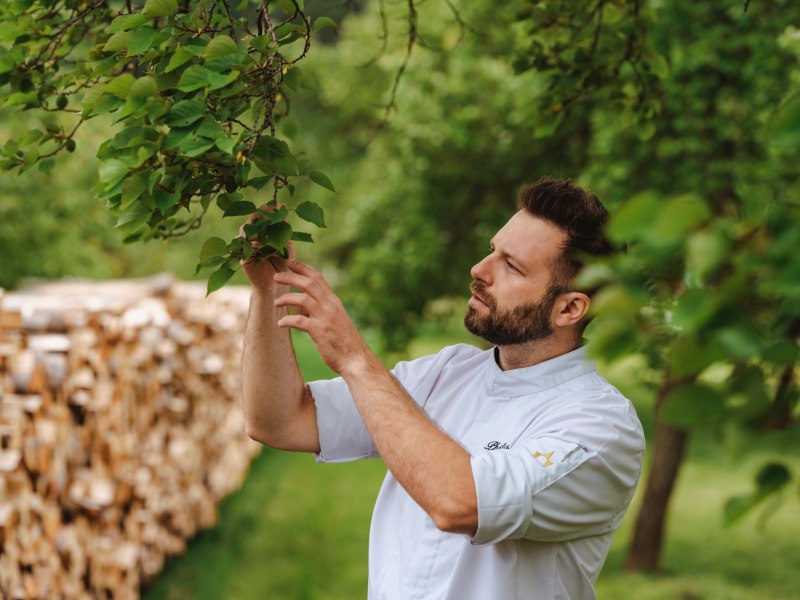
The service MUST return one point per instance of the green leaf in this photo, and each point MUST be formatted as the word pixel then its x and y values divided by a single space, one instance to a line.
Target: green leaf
pixel 225 200
pixel 785 125
pixel 742 339
pixel 120 86
pixel 676 217
pixel 772 477
pixel 29 137
pixel 160 8
pixel 279 234
pixel 103 66
pixel 705 253
pixel 693 308
pixel 275 216
pixel 255 228
pixel 226 144
pixel 212 247
pixel 140 40
pixel 211 262
pixel 646 129
pixel 106 104
pixel 117 42
pixel 131 220
pixel 259 182
pixel 287 6
pixel 179 58
pixel 165 200
pixel 322 22
pixel 195 146
pixel 220 46
pixel 132 188
pixel 548 125
pixel 311 212
pixel 688 355
pixel 657 63
pixel 125 22
pixel 111 172
pixel 634 219
pixel 737 507
pixel 219 278
pixel 127 109
pixel 302 236
pixel 209 128
pixel 240 208
pixel 320 178
pixel 144 87
pixel 272 155
pixel 220 80
pixel 185 113
pixel 193 78
pixel 10 31
pixel 281 31
pixel 261 43
pixel 693 404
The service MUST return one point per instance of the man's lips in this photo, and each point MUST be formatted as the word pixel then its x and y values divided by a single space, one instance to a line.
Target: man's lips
pixel 476 301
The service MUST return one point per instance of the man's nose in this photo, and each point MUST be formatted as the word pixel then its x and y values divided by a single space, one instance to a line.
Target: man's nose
pixel 480 271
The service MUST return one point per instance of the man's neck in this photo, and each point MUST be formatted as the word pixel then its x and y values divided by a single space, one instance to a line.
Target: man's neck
pixel 517 356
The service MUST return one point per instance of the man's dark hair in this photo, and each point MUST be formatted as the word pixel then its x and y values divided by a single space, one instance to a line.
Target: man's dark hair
pixel 577 212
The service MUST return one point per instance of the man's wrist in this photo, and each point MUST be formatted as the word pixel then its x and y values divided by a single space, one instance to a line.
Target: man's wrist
pixel 270 293
pixel 360 364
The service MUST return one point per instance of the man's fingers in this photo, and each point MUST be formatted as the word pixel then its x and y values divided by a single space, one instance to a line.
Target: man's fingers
pixel 303 269
pixel 300 322
pixel 312 283
pixel 301 301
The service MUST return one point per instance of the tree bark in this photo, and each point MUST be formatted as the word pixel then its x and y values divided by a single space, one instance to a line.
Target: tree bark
pixel 644 553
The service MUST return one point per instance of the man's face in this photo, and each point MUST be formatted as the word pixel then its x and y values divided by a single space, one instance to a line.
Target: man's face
pixel 512 298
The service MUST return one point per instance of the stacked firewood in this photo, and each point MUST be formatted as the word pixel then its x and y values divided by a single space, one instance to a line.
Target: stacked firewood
pixel 120 430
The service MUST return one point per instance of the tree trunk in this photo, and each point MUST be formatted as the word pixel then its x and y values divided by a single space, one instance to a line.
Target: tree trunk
pixel 644 553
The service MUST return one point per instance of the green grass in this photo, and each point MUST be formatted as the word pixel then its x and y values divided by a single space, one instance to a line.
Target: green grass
pixel 299 531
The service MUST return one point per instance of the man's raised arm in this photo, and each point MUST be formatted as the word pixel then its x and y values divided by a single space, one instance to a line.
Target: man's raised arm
pixel 278 408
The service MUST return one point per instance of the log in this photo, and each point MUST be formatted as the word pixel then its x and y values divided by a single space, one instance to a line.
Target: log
pixel 120 430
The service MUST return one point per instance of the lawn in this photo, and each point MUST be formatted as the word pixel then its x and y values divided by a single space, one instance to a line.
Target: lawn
pixel 298 531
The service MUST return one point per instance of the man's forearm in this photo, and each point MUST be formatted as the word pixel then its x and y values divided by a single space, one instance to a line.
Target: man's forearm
pixel 433 468
pixel 272 386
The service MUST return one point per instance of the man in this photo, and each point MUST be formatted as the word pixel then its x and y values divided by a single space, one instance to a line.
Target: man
pixel 510 468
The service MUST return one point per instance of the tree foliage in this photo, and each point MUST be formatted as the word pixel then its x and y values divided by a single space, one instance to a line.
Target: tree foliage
pixel 194 91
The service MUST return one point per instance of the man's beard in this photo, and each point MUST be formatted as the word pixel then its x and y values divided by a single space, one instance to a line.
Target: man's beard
pixel 525 323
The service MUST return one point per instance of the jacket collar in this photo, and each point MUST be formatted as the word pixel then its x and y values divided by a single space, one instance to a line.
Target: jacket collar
pixel 538 377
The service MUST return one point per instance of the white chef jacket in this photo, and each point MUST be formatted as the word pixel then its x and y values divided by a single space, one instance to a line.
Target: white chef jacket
pixel 556 453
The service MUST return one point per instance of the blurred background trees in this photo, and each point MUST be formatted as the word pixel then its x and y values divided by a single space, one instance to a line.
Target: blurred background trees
pixel 683 117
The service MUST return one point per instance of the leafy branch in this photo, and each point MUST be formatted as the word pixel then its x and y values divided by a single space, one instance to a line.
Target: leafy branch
pixel 195 92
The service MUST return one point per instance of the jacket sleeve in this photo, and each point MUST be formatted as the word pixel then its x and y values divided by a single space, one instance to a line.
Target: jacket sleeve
pixel 342 434
pixel 573 481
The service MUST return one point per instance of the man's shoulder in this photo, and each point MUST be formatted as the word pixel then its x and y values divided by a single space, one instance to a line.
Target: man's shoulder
pixel 447 354
pixel 596 403
pixel 453 356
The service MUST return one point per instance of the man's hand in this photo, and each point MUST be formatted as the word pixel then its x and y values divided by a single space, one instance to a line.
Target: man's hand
pixel 261 272
pixel 322 316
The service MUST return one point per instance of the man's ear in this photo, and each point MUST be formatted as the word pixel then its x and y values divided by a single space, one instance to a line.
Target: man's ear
pixel 571 308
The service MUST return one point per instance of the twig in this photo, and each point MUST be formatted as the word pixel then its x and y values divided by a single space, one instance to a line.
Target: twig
pixel 63 144
pixel 228 10
pixel 384 37
pixel 412 39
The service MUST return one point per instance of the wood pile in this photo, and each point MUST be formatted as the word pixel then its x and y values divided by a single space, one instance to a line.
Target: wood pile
pixel 120 430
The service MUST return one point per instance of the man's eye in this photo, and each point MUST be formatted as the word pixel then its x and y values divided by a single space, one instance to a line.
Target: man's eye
pixel 512 267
